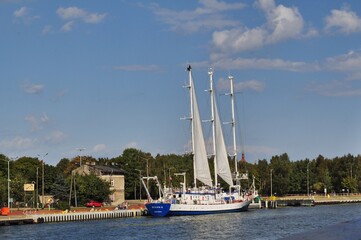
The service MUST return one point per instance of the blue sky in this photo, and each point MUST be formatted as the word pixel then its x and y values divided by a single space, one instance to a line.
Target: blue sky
pixel 106 76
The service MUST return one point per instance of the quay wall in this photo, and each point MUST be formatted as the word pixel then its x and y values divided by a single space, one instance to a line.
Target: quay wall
pixel 85 216
pixel 29 217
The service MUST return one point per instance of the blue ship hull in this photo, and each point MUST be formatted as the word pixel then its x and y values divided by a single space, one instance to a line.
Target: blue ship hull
pixel 158 209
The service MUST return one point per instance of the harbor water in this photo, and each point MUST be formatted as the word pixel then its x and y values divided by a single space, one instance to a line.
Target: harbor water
pixel 253 224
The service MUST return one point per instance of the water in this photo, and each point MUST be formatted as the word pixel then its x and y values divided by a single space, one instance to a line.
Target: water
pixel 254 224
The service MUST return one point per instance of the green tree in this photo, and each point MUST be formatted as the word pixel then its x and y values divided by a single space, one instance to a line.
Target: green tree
pixel 263 177
pixel 90 187
pixel 281 174
pixel 350 184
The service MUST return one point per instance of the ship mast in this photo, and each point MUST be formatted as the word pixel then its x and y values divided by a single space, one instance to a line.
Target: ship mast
pixel 233 127
pixel 211 91
pixel 189 69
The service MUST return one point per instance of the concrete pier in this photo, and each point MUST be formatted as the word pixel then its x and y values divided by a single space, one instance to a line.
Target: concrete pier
pixel 15 220
pixel 85 216
pixel 29 218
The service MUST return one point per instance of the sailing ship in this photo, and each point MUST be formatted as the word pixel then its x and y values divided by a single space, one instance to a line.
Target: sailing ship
pixel 208 198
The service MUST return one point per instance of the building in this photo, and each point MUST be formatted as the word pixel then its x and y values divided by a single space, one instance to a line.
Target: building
pixel 112 175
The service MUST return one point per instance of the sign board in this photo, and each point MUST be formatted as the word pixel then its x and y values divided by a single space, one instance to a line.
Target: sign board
pixel 29 187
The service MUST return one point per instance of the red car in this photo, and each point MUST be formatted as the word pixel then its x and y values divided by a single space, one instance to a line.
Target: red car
pixel 94 204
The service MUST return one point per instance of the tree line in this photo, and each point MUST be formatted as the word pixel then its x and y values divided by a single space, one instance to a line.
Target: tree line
pixel 337 175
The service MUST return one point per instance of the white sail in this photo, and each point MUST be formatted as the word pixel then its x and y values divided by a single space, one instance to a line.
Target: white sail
pixel 223 168
pixel 200 159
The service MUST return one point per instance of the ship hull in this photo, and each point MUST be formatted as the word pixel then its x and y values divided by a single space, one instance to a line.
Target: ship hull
pixel 167 209
pixel 158 209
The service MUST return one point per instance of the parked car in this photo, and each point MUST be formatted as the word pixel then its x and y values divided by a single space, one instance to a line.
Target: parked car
pixel 94 204
pixel 124 205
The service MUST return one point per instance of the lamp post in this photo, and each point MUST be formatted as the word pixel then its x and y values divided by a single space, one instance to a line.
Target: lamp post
pixel 80 149
pixel 271 183
pixel 308 181
pixel 9 183
pixel 140 184
pixel 37 188
pixel 42 180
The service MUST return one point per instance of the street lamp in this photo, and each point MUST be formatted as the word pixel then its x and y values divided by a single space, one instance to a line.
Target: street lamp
pixel 37 188
pixel 140 184
pixel 9 183
pixel 271 182
pixel 308 181
pixel 42 180
pixel 80 149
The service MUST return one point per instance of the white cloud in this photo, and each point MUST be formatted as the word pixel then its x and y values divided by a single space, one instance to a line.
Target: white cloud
pixel 311 32
pixel 340 88
pixel 71 13
pixel 21 12
pixel 55 137
pixel 239 39
pixel 18 143
pixel 99 148
pixel 348 66
pixel 47 29
pixel 285 23
pixel 75 13
pixel 265 5
pixel 22 15
pixel 32 88
pixel 254 85
pixel 146 68
pixel 263 63
pixel 344 21
pixel 282 23
pixel 67 27
pixel 94 17
pixel 37 123
pixel 251 84
pixel 206 17
pixel 349 63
